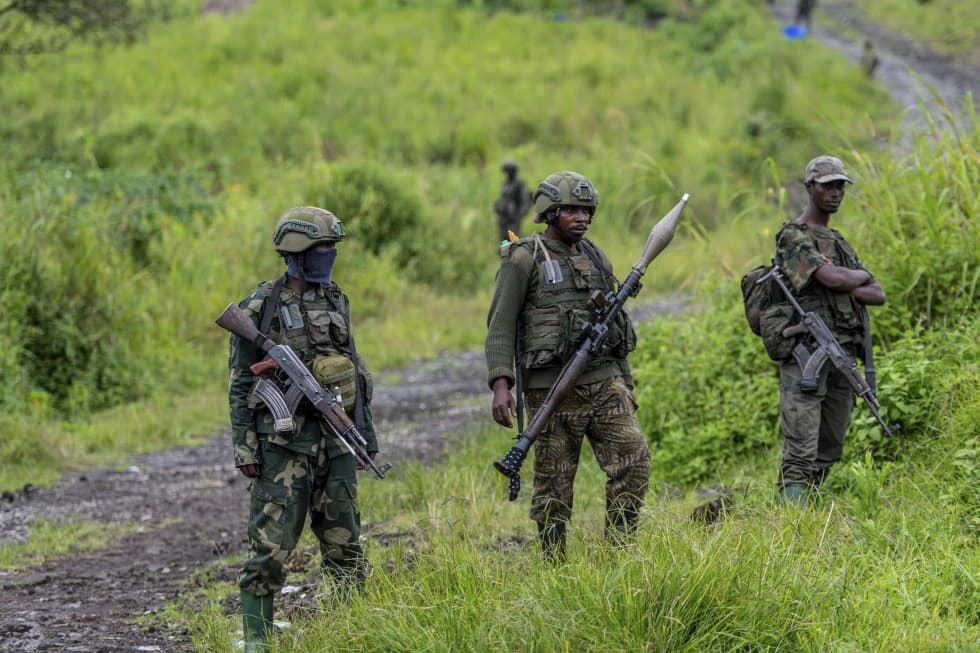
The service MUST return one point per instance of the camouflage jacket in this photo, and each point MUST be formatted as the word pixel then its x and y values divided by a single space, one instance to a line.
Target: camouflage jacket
pixel 320 326
pixel 800 251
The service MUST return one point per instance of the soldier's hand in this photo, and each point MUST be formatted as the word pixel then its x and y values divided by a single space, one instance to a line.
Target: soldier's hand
pixel 251 471
pixel 361 466
pixel 504 406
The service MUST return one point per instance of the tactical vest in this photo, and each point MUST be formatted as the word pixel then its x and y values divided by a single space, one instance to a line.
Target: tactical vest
pixel 557 308
pixel 319 326
pixel 840 311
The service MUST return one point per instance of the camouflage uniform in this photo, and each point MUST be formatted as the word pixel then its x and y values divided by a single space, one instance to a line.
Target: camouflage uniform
pixel 601 406
pixel 309 471
pixel 814 424
pixel 513 203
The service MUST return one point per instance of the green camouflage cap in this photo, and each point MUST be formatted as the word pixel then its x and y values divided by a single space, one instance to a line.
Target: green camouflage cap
pixel 825 168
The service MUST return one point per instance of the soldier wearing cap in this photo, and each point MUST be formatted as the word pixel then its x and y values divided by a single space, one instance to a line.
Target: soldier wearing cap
pixel 513 202
pixel 827 277
pixel 306 469
pixel 541 304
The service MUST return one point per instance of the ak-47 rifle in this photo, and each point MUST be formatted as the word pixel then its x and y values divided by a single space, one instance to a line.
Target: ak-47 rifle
pixel 235 320
pixel 607 307
pixel 824 347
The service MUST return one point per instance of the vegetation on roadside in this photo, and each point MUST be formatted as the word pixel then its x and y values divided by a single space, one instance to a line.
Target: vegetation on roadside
pixel 130 213
pixel 50 540
pixel 951 26
pixel 133 211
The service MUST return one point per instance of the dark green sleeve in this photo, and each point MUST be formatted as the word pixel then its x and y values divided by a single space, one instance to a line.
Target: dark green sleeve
pixel 510 291
pixel 242 355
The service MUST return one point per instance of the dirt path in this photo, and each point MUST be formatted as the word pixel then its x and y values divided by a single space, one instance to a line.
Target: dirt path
pixel 188 504
pixel 911 71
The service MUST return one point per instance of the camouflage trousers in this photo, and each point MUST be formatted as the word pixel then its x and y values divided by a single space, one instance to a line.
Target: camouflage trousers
pixel 605 413
pixel 291 486
pixel 814 424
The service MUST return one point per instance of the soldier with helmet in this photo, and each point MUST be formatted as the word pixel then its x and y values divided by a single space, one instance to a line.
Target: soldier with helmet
pixel 513 203
pixel 540 307
pixel 304 470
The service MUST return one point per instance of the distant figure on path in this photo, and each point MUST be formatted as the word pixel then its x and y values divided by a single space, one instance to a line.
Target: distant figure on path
pixel 513 203
pixel 869 59
pixel 804 9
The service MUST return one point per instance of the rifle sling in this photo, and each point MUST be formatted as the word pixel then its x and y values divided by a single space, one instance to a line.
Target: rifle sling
pixel 271 305
pixel 358 395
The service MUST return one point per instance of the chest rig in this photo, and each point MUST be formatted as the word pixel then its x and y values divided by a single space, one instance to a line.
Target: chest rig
pixel 316 326
pixel 840 311
pixel 558 307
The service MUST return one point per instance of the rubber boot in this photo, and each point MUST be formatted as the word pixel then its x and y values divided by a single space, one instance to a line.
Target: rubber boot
pixel 793 493
pixel 349 574
pixel 620 523
pixel 552 537
pixel 256 621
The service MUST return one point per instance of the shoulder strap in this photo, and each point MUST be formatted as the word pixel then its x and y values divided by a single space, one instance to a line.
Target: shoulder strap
pixel 271 304
pixel 593 255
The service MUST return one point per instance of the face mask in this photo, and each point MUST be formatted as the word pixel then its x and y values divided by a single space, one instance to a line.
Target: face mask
pixel 317 265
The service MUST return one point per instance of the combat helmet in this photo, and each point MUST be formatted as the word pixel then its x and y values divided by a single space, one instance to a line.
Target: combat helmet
pixel 509 165
pixel 302 227
pixel 565 188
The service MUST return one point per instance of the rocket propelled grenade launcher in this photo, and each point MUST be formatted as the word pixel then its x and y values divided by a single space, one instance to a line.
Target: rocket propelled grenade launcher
pixel 607 308
pixel 235 320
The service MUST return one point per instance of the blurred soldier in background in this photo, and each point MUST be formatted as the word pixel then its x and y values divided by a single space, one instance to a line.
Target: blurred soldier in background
pixel 541 303
pixel 513 203
pixel 804 9
pixel 305 470
pixel 869 59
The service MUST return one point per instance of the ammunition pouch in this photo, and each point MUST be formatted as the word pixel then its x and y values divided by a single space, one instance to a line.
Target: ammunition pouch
pixel 772 321
pixel 336 374
pixel 551 335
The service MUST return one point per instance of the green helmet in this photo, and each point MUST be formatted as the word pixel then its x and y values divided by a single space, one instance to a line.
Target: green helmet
pixel 565 189
pixel 509 165
pixel 302 227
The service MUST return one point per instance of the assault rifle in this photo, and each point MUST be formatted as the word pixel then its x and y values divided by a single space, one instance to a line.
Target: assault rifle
pixel 607 307
pixel 235 320
pixel 824 347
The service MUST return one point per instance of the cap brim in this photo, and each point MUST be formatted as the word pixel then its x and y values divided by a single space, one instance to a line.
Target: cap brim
pixel 832 177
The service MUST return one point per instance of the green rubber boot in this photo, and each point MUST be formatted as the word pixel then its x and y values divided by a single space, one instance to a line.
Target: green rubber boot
pixel 256 621
pixel 795 493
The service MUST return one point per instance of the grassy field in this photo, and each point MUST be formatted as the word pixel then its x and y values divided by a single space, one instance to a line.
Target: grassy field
pixel 137 194
pixel 395 116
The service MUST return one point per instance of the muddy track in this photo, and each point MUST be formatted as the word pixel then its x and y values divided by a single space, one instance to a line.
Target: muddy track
pixel 184 508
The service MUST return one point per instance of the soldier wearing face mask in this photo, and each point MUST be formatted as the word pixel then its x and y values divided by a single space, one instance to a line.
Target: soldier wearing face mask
pixel 305 470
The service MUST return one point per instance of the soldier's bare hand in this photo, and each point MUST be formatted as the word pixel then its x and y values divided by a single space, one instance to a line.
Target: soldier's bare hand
pixel 251 471
pixel 504 406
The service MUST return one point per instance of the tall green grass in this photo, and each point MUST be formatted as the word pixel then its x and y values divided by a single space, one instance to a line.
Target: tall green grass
pixel 880 566
pixel 134 204
pixel 710 390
